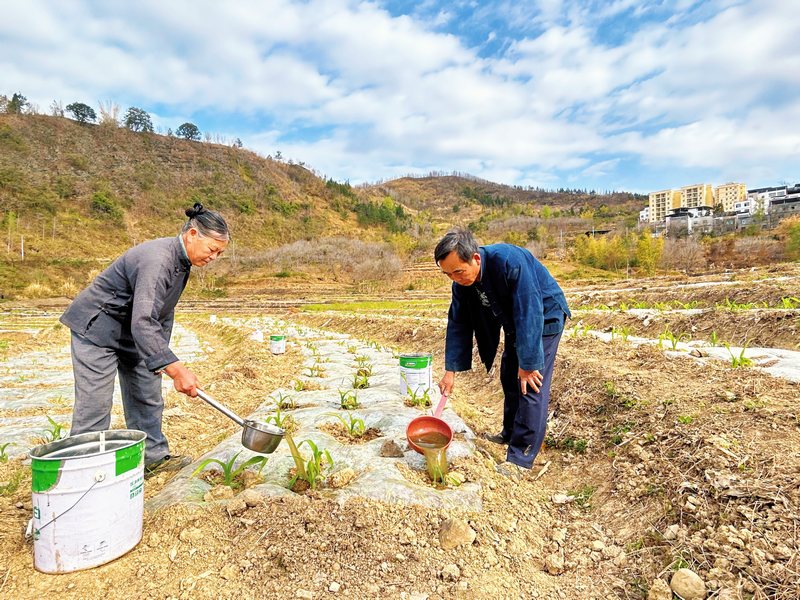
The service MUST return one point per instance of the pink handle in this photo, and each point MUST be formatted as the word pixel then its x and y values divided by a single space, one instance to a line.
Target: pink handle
pixel 440 407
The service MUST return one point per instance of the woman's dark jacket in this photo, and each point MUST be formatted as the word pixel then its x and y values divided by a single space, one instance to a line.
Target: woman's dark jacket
pixel 520 296
pixel 130 306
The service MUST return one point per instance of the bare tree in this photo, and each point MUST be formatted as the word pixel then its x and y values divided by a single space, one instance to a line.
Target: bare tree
pixel 57 108
pixel 109 113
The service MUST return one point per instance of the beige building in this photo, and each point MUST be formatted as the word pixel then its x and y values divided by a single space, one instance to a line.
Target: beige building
pixel 661 203
pixel 728 194
pixel 700 194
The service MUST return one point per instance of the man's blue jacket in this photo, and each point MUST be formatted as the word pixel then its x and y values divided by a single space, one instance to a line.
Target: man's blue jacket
pixel 519 295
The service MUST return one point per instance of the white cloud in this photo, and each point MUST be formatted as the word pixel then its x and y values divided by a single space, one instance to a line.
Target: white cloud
pixel 713 88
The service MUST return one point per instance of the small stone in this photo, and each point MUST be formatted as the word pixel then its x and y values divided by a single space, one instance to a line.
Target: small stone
pixel 399 557
pixel 19 505
pixel 236 506
pixel 659 591
pixel 334 586
pixel 173 554
pixel 688 585
pixel 251 478
pixel 671 532
pixel 390 449
pixel 454 533
pixel 451 573
pixel 559 536
pixel 554 563
pixel 341 478
pixel 228 572
pixel 305 594
pixel 191 534
pixel 598 545
pixel 729 594
pixel 251 498
pixel 562 499
pixel 407 536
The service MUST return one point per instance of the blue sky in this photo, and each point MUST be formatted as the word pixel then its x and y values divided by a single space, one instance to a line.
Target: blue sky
pixel 631 95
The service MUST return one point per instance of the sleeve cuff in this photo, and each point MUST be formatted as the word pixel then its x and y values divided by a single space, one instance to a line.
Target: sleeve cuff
pixel 159 361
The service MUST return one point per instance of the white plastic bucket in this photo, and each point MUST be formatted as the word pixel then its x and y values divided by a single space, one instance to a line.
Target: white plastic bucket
pixel 277 344
pixel 415 373
pixel 88 499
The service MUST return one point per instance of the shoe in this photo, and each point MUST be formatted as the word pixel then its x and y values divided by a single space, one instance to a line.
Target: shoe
pixel 496 438
pixel 512 471
pixel 168 463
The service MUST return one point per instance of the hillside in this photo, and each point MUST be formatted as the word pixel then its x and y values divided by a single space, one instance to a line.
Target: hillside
pixel 73 196
pixel 465 199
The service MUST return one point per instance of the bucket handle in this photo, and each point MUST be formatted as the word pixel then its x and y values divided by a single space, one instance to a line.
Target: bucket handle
pixel 97 480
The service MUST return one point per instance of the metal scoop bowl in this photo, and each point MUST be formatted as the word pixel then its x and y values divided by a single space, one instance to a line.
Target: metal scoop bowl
pixel 258 437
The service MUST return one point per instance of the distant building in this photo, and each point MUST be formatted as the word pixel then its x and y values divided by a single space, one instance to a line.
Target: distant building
pixel 761 198
pixel 644 215
pixel 661 203
pixel 685 220
pixel 700 194
pixel 787 204
pixel 728 194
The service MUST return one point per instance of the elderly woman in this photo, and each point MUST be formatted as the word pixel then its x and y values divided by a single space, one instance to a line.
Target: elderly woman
pixel 122 324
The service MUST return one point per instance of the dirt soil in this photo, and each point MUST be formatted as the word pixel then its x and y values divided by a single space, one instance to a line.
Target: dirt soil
pixel 652 464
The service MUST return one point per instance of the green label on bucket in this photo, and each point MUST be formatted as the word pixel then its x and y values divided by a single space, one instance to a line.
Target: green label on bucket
pixel 44 474
pixel 129 458
pixel 277 338
pixel 416 362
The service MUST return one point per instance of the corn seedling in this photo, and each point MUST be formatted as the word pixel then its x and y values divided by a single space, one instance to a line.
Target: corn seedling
pixel 285 401
pixel 618 433
pixel 314 467
pixel 55 432
pixel 3 454
pixel 685 419
pixel 620 332
pixel 671 339
pixel 790 302
pixel 348 399
pixel 315 371
pixel 741 360
pixel 420 400
pixel 352 349
pixel 355 427
pixel 299 385
pixel 360 381
pixel 714 339
pixel 228 472
pixel 278 419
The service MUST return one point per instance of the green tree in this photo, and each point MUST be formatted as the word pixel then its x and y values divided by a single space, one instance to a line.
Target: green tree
pixel 82 113
pixel 18 104
pixel 648 252
pixel 137 119
pixel 188 131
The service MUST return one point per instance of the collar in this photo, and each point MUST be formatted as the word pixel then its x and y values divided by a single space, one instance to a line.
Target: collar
pixel 482 252
pixel 184 255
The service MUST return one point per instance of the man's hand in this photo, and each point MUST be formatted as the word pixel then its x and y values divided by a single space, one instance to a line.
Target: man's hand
pixel 182 378
pixel 447 382
pixel 529 378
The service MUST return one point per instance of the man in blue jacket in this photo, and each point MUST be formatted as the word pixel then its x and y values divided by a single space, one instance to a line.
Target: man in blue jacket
pixel 504 286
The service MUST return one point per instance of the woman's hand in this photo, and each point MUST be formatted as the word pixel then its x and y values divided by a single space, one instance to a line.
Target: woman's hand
pixel 183 379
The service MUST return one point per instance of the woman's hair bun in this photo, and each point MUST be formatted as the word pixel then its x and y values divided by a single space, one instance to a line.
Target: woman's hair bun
pixel 197 209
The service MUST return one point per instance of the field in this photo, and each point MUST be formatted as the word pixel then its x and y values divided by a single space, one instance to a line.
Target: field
pixel 672 443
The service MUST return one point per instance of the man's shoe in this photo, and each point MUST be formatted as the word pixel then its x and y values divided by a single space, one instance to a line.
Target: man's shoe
pixel 512 471
pixel 496 438
pixel 169 463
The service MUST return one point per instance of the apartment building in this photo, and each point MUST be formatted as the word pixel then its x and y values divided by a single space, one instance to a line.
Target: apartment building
pixel 728 194
pixel 700 194
pixel 661 203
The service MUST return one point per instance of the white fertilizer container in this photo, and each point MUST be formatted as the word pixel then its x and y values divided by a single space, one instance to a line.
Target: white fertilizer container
pixel 277 344
pixel 88 499
pixel 415 373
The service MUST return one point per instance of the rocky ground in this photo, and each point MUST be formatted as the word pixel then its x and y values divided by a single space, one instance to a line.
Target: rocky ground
pixel 656 471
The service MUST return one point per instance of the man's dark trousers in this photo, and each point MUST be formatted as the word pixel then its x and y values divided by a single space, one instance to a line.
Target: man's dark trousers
pixel 525 415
